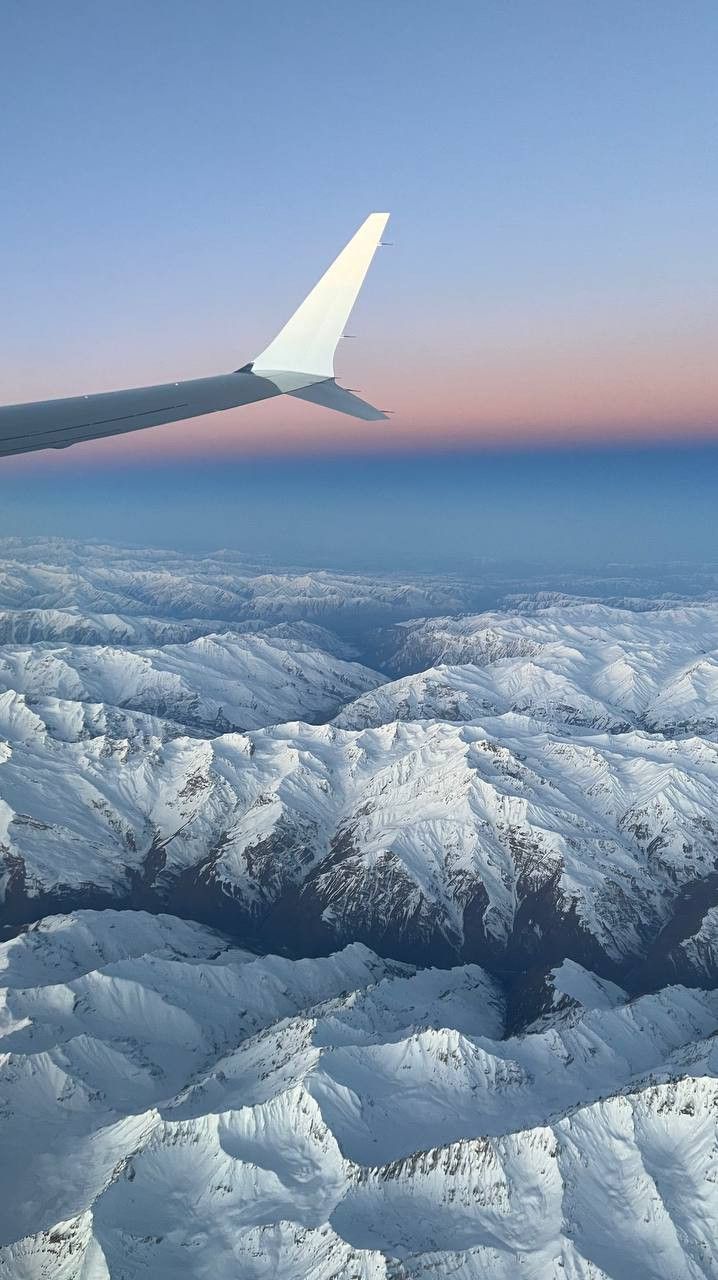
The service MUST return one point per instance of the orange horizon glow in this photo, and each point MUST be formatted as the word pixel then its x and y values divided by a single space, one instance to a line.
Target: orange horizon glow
pixel 637 393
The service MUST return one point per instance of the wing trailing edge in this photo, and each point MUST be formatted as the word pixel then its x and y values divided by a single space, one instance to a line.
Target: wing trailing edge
pixel 332 396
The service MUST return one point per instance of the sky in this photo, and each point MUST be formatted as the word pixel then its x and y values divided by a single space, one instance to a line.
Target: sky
pixel 408 510
pixel 177 175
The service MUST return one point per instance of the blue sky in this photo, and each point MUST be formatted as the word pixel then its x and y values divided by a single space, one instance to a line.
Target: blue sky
pixel 177 174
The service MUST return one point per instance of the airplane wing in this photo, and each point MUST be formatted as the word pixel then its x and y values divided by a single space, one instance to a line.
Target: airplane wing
pixel 299 362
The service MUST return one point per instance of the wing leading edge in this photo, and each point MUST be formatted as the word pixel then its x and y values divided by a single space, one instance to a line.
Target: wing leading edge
pixel 299 362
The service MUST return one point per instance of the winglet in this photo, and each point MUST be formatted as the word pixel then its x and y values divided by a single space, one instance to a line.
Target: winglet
pixel 308 340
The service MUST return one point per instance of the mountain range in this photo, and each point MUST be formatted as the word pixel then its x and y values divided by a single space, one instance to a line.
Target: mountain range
pixel 356 925
pixel 174 1106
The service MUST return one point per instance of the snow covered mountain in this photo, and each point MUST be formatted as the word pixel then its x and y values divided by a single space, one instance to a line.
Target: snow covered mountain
pixel 584 663
pixel 545 787
pixel 499 842
pixel 72 626
pixel 213 684
pixel 172 1106
pixel 55 574
pixel 526 797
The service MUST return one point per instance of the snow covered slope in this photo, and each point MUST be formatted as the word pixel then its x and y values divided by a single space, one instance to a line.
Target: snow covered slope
pixel 585 664
pixel 73 626
pixel 55 574
pixel 500 841
pixel 171 1106
pixel 213 684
